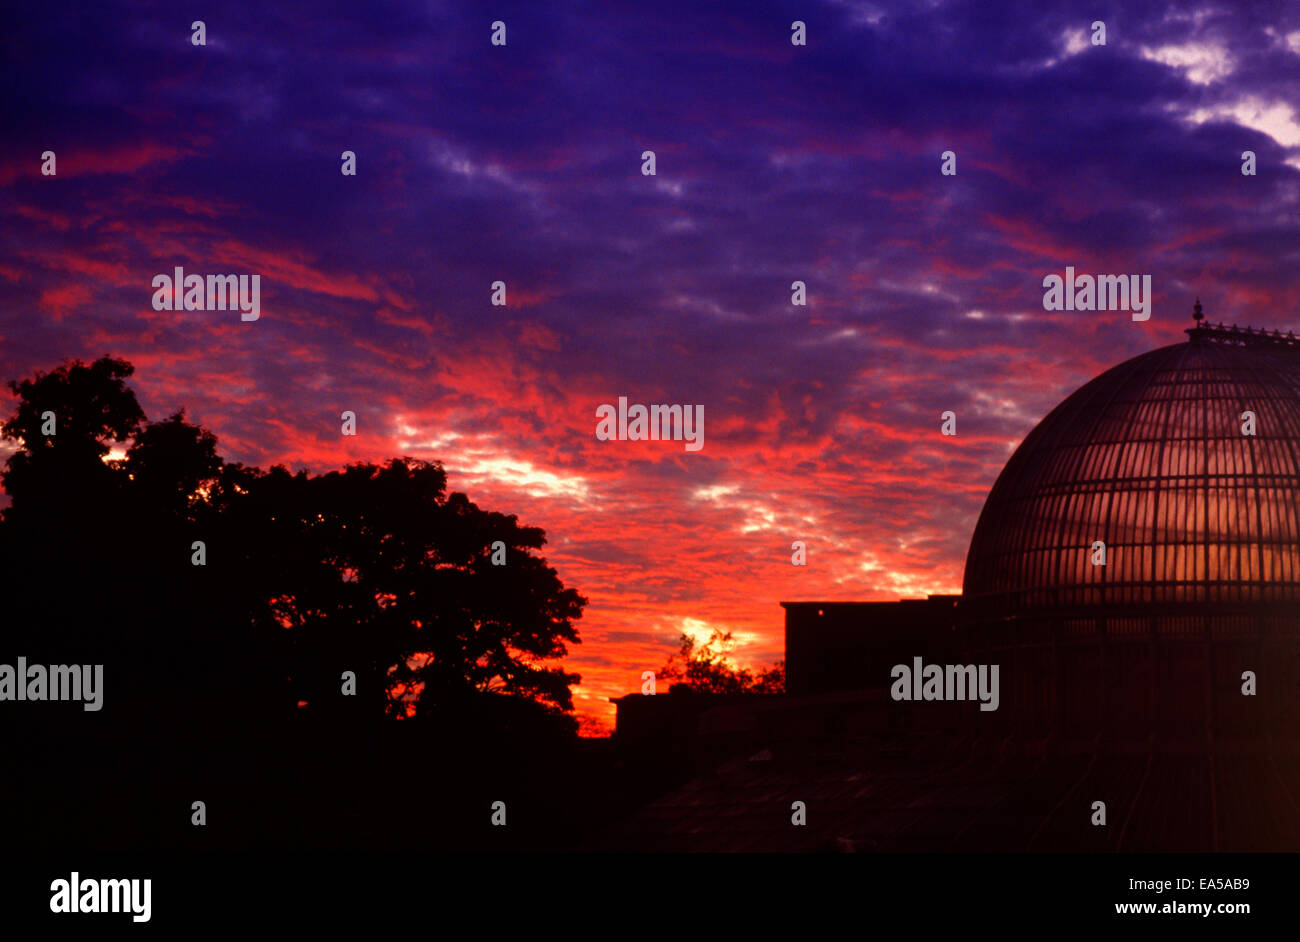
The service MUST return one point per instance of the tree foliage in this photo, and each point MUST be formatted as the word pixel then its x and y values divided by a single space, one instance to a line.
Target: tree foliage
pixel 707 667
pixel 375 569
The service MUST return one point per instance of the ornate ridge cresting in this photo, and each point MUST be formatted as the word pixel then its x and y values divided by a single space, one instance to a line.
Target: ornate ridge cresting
pixel 1237 336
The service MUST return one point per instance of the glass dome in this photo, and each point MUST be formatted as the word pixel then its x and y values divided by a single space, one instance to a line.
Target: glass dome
pixel 1151 459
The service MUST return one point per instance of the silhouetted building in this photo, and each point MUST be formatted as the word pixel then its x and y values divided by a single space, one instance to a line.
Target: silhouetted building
pixel 1180 470
pixel 685 727
pixel 1135 570
pixel 832 646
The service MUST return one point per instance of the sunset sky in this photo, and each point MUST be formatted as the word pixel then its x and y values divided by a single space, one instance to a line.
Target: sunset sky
pixel 775 163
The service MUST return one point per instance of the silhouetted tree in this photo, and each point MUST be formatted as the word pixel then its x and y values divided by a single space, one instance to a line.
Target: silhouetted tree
pixel 707 667
pixel 378 570
pixel 68 505
pixel 374 569
pixel 171 464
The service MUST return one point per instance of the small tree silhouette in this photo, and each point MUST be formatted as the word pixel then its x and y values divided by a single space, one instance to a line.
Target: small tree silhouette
pixel 707 668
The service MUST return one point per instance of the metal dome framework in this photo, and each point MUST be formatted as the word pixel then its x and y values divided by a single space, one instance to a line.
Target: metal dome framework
pixel 1201 524
pixel 1150 459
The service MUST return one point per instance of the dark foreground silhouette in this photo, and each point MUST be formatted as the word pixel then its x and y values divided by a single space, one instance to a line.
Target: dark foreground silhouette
pixel 228 683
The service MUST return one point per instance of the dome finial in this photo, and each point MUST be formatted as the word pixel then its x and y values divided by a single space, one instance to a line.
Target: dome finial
pixel 1196 311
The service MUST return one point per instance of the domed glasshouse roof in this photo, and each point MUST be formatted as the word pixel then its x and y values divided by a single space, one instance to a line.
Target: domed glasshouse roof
pixel 1154 459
